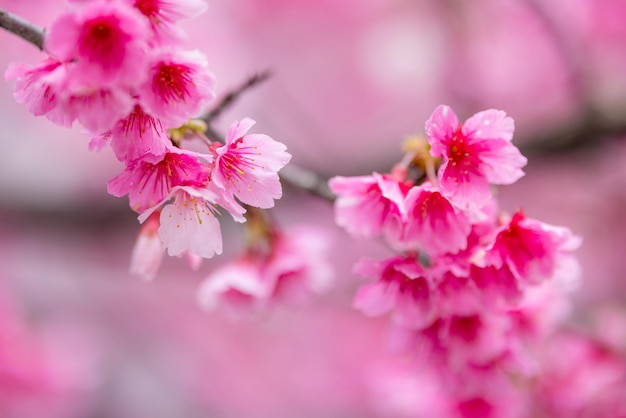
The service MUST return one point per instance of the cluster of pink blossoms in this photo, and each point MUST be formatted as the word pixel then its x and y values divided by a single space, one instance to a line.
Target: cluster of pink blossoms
pixel 471 291
pixel 117 68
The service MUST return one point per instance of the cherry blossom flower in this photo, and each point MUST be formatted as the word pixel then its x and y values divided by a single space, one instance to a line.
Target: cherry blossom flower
pixel 475 154
pixel 432 223
pixel 530 248
pixel 163 15
pixel 148 251
pixel 238 287
pixel 97 108
pixel 178 85
pixel 367 206
pixel 149 180
pixel 290 268
pixel 105 38
pixel 136 135
pixel 189 223
pixel 247 165
pixel 38 87
pixel 401 286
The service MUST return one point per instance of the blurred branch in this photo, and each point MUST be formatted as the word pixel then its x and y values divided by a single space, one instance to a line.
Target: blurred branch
pixel 593 126
pixel 589 131
pixel 20 27
pixel 233 95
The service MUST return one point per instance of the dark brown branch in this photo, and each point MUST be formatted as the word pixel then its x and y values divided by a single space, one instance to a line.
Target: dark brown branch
pixel 233 95
pixel 588 132
pixel 25 30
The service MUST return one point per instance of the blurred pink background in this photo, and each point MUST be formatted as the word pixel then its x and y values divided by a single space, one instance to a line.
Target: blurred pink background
pixel 350 80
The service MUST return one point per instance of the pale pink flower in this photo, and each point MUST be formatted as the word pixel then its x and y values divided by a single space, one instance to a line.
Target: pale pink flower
pixel 164 14
pixel 238 287
pixel 136 135
pixel 247 165
pixel 105 39
pixel 38 87
pixel 149 180
pixel 580 378
pixel 97 108
pixel 367 206
pixel 299 264
pixel 189 223
pixel 432 223
pixel 179 84
pixel 148 250
pixel 475 154
pixel 531 249
pixel 289 268
pixel 401 286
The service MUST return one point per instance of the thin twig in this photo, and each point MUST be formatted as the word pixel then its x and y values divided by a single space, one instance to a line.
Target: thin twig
pixel 233 95
pixel 20 27
pixel 307 180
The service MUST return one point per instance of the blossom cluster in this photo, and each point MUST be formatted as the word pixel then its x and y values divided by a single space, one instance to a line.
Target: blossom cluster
pixel 118 68
pixel 472 291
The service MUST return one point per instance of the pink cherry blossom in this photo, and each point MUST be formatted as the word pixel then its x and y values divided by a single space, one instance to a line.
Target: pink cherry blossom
pixel 366 206
pixel 291 268
pixel 530 248
pixel 299 262
pixel 189 223
pixel 136 135
pixel 97 108
pixel 475 154
pixel 106 39
pixel 238 287
pixel 148 250
pixel 38 87
pixel 149 180
pixel 247 165
pixel 432 223
pixel 401 286
pixel 177 87
pixel 496 284
pixel 163 15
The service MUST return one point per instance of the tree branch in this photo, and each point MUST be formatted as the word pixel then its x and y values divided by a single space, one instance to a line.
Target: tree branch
pixel 233 95
pixel 20 27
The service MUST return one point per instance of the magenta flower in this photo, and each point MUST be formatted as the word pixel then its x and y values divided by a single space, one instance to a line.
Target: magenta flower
pixel 149 180
pixel 531 249
pixel 38 88
pixel 163 15
pixel 178 85
pixel 401 286
pixel 366 206
pixel 475 154
pixel 432 223
pixel 106 40
pixel 247 166
pixel 136 135
pixel 96 108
